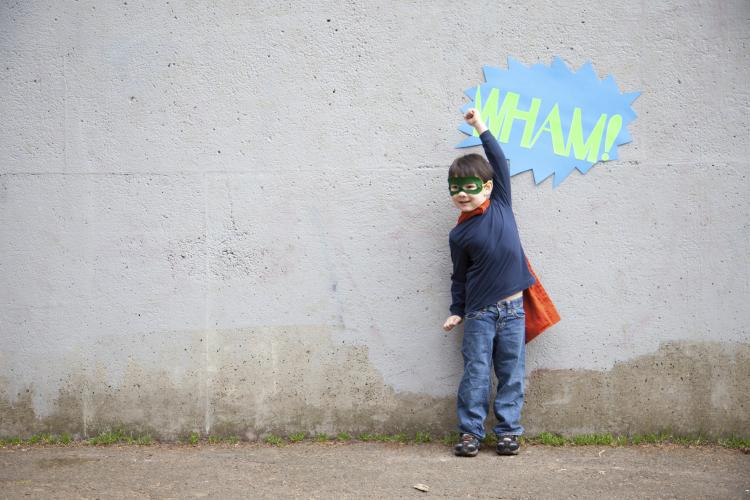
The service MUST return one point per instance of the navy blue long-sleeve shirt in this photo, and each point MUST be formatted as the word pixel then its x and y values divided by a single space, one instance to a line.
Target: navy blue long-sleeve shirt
pixel 488 260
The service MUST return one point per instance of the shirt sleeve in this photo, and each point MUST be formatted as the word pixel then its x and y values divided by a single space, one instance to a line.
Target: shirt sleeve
pixel 458 279
pixel 501 177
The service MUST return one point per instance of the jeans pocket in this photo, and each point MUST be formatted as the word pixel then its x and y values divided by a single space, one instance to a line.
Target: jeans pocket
pixel 518 312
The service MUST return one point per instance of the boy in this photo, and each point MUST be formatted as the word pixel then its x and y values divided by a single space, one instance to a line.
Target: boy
pixel 489 276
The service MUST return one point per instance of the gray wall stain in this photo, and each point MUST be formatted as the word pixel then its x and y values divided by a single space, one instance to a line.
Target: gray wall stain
pixel 296 379
pixel 278 379
pixel 685 387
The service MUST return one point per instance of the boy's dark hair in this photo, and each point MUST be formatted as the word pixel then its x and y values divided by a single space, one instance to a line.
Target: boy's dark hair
pixel 471 165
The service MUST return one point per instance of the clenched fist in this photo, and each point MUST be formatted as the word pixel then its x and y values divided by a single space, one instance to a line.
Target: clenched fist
pixel 474 119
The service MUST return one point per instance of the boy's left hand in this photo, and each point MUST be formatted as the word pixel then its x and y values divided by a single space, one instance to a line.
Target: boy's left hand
pixel 451 322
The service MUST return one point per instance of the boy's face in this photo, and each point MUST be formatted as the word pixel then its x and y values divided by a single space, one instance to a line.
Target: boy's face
pixel 467 193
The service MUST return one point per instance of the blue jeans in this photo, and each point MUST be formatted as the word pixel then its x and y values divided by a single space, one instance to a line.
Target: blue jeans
pixel 494 335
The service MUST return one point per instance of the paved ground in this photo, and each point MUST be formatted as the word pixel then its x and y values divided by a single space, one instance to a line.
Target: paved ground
pixel 330 470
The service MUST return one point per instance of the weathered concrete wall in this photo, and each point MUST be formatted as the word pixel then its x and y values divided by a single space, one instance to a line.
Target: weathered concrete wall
pixel 231 217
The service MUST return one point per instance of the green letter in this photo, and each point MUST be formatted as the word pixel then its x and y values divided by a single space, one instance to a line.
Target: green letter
pixel 510 112
pixel 589 149
pixel 488 112
pixel 554 127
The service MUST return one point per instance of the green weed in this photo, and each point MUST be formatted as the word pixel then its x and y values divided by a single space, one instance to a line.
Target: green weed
pixel 451 438
pixel 107 438
pixel 343 436
pixel 735 443
pixel 490 439
pixel 636 439
pixel 689 440
pixel 400 438
pixel 422 437
pixel 220 439
pixel 113 437
pixel 392 438
pixel 297 437
pixel 549 439
pixel 274 440
pixel 621 441
pixel 656 438
pixel 144 440
pixel 593 439
pixel 46 438
pixel 384 438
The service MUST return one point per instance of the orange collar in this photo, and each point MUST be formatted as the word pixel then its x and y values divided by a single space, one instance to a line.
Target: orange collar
pixel 477 211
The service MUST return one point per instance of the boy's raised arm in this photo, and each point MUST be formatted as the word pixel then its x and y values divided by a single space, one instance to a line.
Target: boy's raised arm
pixel 495 155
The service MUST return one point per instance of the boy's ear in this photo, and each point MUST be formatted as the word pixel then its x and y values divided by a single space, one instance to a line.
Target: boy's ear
pixel 488 187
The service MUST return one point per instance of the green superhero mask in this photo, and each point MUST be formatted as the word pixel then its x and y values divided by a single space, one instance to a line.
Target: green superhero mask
pixel 469 185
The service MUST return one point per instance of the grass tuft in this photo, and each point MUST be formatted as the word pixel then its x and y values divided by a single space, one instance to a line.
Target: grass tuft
pixel 593 439
pixel 656 438
pixel 736 443
pixel 636 439
pixel 144 440
pixel 549 439
pixel 297 437
pixel 343 436
pixel 621 441
pixel 422 437
pixel 274 440
pixel 222 439
pixel 384 438
pixel 451 438
pixel 490 439
pixel 109 438
pixel 398 438
pixel 321 438
pixel 194 438
pixel 689 440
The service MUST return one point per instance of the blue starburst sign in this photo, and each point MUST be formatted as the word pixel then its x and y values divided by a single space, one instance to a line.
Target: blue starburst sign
pixel 549 119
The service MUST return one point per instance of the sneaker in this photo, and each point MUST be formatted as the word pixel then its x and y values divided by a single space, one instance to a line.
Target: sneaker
pixel 468 446
pixel 508 445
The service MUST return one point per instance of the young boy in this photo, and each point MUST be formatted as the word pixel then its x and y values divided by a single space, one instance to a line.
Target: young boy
pixel 489 276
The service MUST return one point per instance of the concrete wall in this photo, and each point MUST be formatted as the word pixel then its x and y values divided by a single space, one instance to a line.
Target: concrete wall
pixel 231 217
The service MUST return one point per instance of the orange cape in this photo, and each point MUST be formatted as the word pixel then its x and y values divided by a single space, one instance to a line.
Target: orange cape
pixel 540 311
